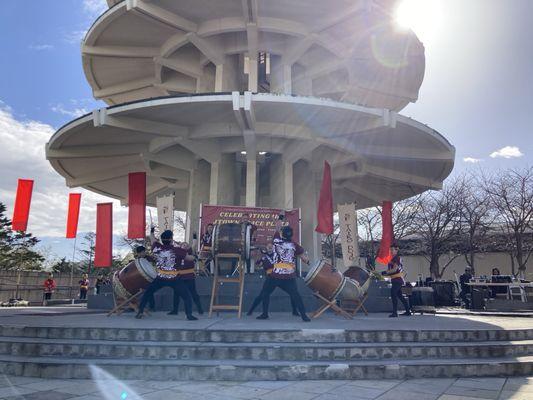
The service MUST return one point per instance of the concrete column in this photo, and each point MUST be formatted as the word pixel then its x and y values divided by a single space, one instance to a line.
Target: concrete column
pixel 227 188
pixel 251 182
pixel 288 185
pixel 287 79
pixel 306 198
pixel 198 194
pixel 281 183
pixel 213 183
pixel 252 75
pixel 219 77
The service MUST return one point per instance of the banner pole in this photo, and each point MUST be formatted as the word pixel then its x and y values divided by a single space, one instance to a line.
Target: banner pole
pixel 72 267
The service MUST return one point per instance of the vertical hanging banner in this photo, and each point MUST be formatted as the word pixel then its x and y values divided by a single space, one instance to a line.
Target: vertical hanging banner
pixel 325 203
pixel 348 235
pixel 21 212
pixel 103 252
pixel 165 213
pixel 387 235
pixel 74 200
pixel 137 205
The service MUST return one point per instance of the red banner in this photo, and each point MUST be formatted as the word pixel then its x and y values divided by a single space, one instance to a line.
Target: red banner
pixel 137 205
pixel 103 252
pixel 74 200
pixel 21 212
pixel 325 204
pixel 263 218
pixel 387 236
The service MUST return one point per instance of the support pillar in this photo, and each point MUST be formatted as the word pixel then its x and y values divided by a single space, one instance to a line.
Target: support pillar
pixel 252 75
pixel 198 193
pixel 213 183
pixel 251 182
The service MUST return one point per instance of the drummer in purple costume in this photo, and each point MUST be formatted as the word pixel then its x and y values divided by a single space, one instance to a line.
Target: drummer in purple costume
pixel 267 262
pixel 167 258
pixel 284 272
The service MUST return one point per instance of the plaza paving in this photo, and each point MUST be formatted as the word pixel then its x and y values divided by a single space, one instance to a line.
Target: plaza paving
pixel 416 389
pixel 81 317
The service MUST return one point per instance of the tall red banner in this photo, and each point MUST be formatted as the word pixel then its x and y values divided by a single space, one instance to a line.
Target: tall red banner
pixel 74 200
pixel 263 218
pixel 387 236
pixel 103 252
pixel 137 205
pixel 21 212
pixel 325 203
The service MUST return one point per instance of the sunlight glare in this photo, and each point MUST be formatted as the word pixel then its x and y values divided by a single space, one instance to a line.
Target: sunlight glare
pixel 424 17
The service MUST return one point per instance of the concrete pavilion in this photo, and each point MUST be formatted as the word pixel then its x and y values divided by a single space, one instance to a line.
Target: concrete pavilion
pixel 239 102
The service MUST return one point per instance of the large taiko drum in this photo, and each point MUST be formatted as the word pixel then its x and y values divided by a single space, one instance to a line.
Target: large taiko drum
pixel 232 239
pixel 322 278
pixel 137 275
pixel 331 284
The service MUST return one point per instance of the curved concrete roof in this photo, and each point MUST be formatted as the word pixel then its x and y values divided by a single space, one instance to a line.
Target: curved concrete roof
pixel 341 49
pixel 375 154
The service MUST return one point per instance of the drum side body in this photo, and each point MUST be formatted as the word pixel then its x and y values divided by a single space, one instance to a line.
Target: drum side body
pixel 131 278
pixel 324 280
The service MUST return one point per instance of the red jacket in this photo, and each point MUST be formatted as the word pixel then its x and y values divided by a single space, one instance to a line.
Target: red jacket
pixel 49 285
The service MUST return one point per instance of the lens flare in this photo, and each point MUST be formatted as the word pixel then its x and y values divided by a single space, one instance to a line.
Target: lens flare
pixel 424 17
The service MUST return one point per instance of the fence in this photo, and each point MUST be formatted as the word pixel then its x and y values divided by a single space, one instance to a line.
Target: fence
pixel 28 285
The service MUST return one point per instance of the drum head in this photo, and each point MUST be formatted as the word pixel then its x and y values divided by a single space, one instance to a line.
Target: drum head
pixel 312 273
pixel 146 267
pixel 247 242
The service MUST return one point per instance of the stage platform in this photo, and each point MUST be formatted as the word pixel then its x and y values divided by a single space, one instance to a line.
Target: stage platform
pixel 378 296
pixel 65 342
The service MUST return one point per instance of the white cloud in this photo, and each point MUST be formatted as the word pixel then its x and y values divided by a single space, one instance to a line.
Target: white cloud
pixel 74 113
pixel 22 155
pixel 94 7
pixel 472 160
pixel 507 152
pixel 40 47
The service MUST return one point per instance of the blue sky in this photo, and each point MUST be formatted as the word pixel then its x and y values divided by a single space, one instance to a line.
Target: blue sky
pixel 477 91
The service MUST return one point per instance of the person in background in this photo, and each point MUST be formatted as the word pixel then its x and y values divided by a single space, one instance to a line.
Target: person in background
pixel 465 289
pixel 84 286
pixel 495 271
pixel 99 283
pixel 206 238
pixel 395 273
pixel 49 287
pixel 140 252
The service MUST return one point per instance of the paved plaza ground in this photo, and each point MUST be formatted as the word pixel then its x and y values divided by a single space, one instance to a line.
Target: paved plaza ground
pixel 18 388
pixel 81 317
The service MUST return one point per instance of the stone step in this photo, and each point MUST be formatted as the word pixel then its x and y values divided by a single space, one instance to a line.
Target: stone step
pixel 323 351
pixel 266 335
pixel 84 368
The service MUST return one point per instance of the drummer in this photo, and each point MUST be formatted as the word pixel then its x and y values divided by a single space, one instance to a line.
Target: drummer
pixel 395 273
pixel 284 271
pixel 167 258
pixel 267 262
pixel 140 252
pixel 187 274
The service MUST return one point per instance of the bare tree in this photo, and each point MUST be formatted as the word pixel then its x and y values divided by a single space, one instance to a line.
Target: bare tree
pixel 369 221
pixel 476 217
pixel 404 213
pixel 511 195
pixel 437 223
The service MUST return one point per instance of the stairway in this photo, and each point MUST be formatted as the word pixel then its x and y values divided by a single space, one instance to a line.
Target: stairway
pixel 161 354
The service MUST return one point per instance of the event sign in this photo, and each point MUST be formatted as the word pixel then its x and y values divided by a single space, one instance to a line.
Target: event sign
pixel 165 213
pixel 263 218
pixel 348 234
